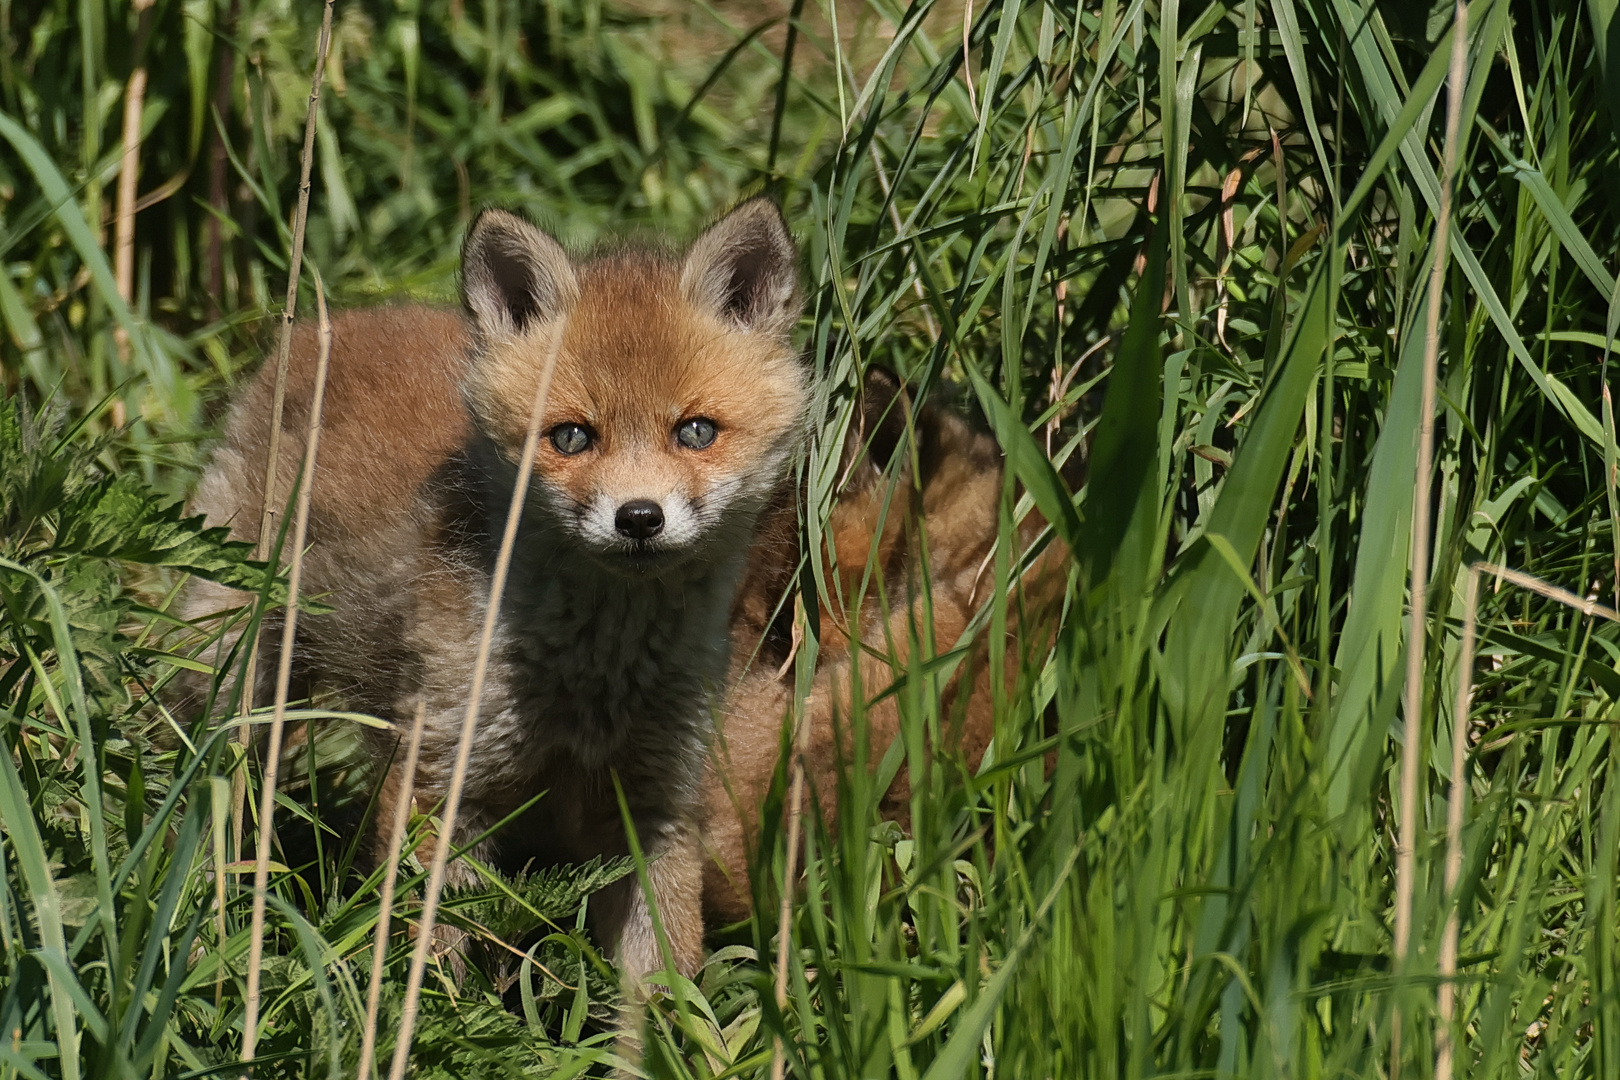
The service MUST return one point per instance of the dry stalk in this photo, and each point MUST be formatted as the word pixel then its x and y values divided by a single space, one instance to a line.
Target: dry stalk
pixel 1609 451
pixel 790 874
pixel 222 815
pixel 294 265
pixel 283 349
pixel 967 55
pixel 1417 632
pixel 289 628
pixel 385 902
pixel 128 174
pixel 218 159
pixel 458 777
pixel 1551 592
pixel 1060 295
pixel 1446 1029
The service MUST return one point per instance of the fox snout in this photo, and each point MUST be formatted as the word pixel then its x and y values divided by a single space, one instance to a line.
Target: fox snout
pixel 639 519
pixel 631 509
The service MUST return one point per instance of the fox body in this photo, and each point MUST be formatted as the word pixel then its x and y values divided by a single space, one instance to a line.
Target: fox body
pixel 645 599
pixel 907 561
pixel 675 408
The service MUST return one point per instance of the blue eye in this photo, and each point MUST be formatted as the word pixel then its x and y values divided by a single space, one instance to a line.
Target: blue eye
pixel 696 434
pixel 570 438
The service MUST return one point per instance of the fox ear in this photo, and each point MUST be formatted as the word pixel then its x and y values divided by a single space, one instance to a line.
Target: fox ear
pixel 745 269
pixel 513 275
pixel 881 410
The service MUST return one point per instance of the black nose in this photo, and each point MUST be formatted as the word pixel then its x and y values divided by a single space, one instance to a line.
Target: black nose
pixel 639 519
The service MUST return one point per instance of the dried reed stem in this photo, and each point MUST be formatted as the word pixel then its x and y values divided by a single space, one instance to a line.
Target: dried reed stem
pixel 458 777
pixel 1610 451
pixel 967 55
pixel 128 174
pixel 283 349
pixel 294 266
pixel 790 874
pixel 1417 632
pixel 1551 592
pixel 1445 1030
pixel 221 807
pixel 1059 379
pixel 289 628
pixel 385 902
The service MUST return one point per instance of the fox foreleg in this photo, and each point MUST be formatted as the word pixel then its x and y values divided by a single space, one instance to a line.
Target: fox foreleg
pixel 674 888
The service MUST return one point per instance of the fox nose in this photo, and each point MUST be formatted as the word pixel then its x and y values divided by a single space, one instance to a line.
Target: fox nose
pixel 639 519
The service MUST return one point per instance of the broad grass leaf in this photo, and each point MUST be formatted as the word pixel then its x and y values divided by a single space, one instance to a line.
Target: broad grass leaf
pixel 1563 227
pixel 1202 596
pixel 1124 466
pixel 1370 648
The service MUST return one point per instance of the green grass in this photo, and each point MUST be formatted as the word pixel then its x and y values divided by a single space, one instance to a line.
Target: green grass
pixel 1178 860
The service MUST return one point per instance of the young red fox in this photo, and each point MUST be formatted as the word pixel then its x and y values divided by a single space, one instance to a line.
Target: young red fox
pixel 677 405
pixel 907 554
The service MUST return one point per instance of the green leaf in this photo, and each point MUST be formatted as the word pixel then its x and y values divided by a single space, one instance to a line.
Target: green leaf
pixel 1202 596
pixel 1124 473
pixel 22 832
pixel 1370 647
pixel 124 519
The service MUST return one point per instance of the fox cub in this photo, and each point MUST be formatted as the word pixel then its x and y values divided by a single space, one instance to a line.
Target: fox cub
pixel 676 408
pixel 908 545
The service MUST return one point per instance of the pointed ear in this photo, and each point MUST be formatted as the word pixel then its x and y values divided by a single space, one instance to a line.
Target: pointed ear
pixel 746 270
pixel 513 275
pixel 880 411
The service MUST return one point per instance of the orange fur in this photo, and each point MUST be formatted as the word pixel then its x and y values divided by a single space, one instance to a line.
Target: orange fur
pixel 426 412
pixel 946 519
pixel 611 640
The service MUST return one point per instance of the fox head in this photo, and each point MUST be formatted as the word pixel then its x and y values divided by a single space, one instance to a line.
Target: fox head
pixel 676 399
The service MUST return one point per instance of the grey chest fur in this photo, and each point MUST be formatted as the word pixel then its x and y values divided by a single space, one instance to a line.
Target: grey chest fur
pixel 607 666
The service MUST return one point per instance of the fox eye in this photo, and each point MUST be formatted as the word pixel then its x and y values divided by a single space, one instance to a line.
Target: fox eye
pixel 696 433
pixel 570 438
